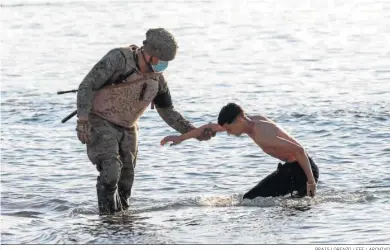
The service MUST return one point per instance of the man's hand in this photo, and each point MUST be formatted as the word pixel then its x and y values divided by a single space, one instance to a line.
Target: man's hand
pixel 207 134
pixel 173 138
pixel 83 129
pixel 311 188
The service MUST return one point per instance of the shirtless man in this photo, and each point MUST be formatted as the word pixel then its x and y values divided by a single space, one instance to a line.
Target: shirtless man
pixel 298 173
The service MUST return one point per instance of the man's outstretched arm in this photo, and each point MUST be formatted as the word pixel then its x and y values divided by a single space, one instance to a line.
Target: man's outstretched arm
pixel 195 133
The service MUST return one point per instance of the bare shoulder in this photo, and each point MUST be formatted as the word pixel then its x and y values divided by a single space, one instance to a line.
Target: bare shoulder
pixel 256 118
pixel 265 128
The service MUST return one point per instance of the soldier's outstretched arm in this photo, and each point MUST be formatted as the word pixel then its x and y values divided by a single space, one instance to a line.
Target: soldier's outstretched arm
pixel 173 118
pixel 165 108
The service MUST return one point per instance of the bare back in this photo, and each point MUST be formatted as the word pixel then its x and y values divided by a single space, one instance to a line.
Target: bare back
pixel 264 129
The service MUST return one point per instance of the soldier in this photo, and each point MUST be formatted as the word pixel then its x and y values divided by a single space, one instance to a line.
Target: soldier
pixel 111 99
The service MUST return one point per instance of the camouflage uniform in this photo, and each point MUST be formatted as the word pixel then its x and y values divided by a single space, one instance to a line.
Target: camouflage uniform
pixel 113 96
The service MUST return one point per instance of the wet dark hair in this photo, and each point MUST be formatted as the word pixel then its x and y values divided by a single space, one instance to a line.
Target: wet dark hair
pixel 228 113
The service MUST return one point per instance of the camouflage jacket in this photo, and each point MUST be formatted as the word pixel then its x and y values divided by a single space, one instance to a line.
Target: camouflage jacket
pixel 106 91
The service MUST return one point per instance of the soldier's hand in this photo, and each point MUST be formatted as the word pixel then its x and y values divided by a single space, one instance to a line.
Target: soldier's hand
pixel 207 134
pixel 83 129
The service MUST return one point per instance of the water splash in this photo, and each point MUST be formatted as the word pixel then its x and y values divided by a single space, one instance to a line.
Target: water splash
pixel 236 200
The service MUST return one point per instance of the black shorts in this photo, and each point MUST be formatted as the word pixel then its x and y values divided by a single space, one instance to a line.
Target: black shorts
pixel 288 177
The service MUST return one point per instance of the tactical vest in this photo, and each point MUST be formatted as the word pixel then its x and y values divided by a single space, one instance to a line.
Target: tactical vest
pixel 123 103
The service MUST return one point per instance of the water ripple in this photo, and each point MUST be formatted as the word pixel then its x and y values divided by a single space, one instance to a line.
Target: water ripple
pixel 321 75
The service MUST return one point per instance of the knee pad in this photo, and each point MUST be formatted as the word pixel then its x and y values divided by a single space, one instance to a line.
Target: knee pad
pixel 110 172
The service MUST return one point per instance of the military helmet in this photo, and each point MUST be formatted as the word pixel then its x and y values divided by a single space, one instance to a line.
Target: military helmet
pixel 161 44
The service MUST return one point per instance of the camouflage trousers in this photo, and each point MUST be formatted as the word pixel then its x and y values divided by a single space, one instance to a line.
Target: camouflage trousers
pixel 113 150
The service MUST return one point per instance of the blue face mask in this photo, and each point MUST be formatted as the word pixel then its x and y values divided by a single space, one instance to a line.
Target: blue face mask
pixel 160 66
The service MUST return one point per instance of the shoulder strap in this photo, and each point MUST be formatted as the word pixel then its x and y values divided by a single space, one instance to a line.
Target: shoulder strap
pixel 122 77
